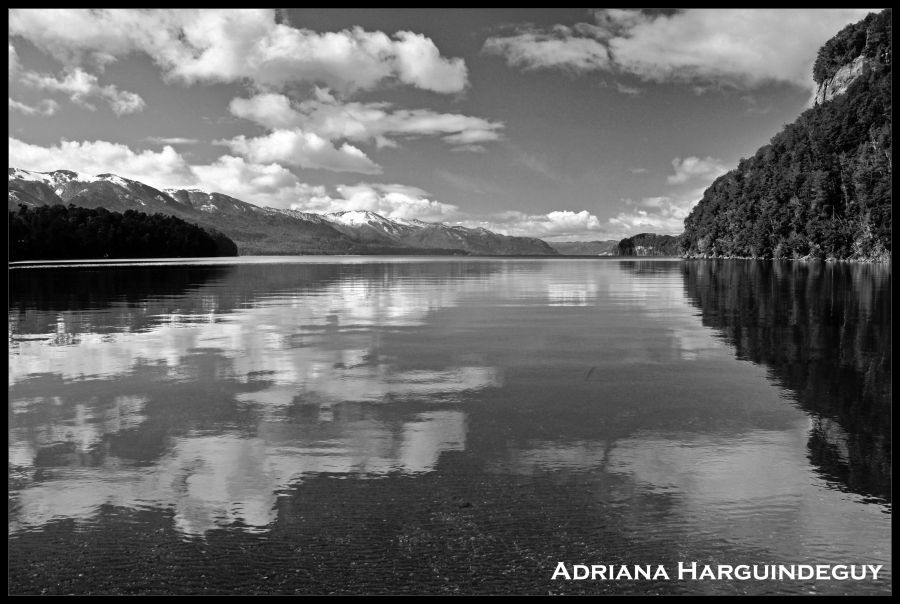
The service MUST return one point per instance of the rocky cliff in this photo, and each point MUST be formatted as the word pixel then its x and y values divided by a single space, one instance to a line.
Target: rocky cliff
pixel 840 81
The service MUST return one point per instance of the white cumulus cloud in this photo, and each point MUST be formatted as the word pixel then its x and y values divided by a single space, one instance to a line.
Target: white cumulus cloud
pixel 172 140
pixel 558 225
pixel 371 122
pixel 559 48
pixel 302 149
pixel 82 87
pixel 419 63
pixel 260 184
pixel 738 47
pixel 165 168
pixel 663 215
pixel 229 45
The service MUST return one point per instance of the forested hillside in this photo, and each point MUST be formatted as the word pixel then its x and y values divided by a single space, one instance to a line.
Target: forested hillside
pixel 822 188
pixel 58 232
pixel 649 244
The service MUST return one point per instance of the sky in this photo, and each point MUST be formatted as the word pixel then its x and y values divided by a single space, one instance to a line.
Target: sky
pixel 563 124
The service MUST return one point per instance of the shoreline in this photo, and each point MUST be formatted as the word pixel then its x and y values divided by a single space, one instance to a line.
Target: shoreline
pixel 195 261
pixel 801 259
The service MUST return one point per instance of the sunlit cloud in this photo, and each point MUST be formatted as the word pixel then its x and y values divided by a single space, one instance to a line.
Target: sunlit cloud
pixel 165 168
pixel 558 225
pixel 372 122
pixel 696 168
pixel 83 88
pixel 173 140
pixel 560 47
pixel 663 214
pixel 302 149
pixel 740 48
pixel 206 45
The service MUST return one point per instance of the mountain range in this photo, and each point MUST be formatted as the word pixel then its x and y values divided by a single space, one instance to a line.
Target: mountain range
pixel 265 230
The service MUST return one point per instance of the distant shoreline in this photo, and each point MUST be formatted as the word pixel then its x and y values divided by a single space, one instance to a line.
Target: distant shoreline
pixel 803 259
pixel 221 260
pixel 321 257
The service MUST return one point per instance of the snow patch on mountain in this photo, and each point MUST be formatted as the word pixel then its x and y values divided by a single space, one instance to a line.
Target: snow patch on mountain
pixel 116 180
pixel 58 178
pixel 50 178
pixel 358 218
pixel 171 191
pixel 309 216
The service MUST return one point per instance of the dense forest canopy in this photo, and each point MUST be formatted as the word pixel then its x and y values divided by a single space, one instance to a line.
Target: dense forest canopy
pixel 59 233
pixel 649 244
pixel 822 188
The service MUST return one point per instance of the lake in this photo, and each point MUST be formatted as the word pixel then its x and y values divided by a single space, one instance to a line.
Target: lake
pixel 445 425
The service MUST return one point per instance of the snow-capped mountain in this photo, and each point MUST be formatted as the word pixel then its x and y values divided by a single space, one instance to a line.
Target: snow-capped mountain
pixel 264 230
pixel 369 226
pixel 103 190
pixel 373 228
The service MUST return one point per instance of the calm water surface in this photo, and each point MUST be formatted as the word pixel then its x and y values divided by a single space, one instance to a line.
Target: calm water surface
pixel 293 425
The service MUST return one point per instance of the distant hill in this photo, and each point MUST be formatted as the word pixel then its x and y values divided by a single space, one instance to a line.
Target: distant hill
pixel 264 230
pixel 586 248
pixel 822 188
pixel 57 232
pixel 650 244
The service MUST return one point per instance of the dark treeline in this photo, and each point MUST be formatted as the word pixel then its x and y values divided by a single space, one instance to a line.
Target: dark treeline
pixel 823 330
pixel 63 233
pixel 822 188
